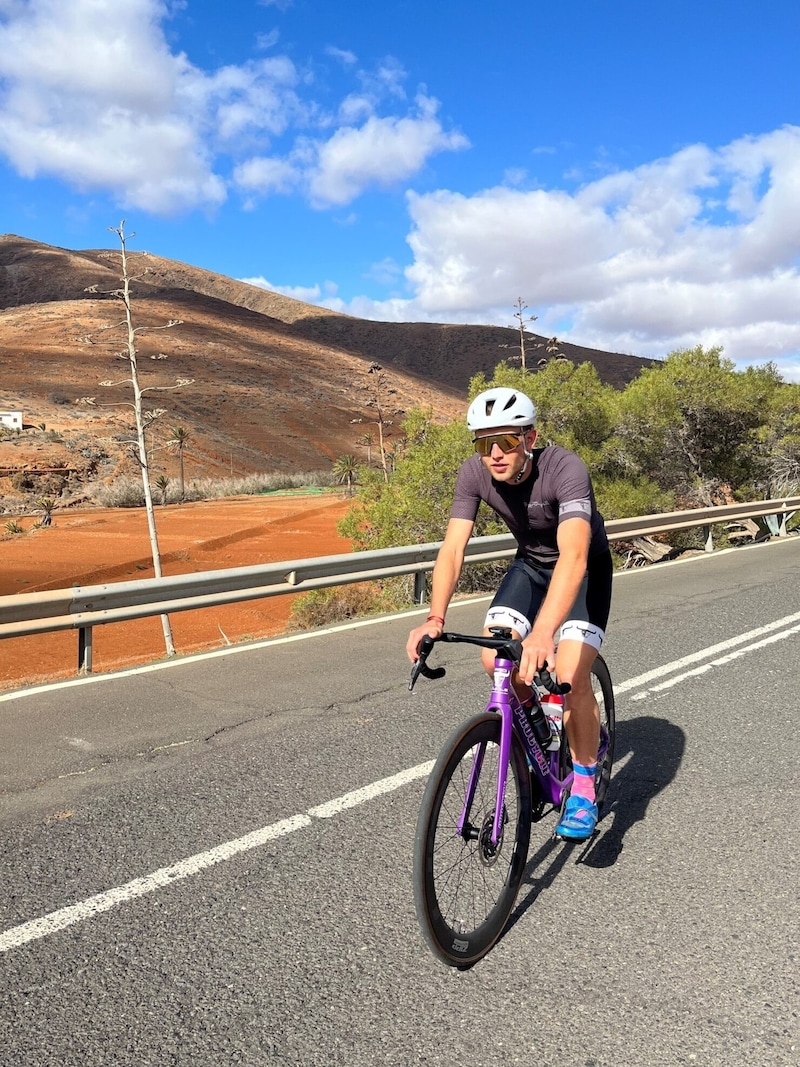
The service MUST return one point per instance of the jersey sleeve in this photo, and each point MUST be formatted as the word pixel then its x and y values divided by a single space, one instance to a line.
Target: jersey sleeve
pixel 466 498
pixel 573 489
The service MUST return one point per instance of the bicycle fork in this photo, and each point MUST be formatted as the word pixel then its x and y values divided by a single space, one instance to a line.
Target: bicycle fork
pixel 498 702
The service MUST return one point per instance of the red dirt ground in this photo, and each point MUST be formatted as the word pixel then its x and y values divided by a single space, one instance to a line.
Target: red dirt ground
pixel 97 545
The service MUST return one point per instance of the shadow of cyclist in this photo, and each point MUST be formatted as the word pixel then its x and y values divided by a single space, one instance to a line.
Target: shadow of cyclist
pixel 655 749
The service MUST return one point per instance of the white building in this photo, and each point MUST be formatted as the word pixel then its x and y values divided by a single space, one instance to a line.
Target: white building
pixel 11 419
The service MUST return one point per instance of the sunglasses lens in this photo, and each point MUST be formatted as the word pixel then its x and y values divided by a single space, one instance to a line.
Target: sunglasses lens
pixel 505 441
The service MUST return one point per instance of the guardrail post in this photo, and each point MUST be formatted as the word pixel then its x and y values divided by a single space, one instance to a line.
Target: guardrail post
pixel 85 650
pixel 419 587
pixel 709 546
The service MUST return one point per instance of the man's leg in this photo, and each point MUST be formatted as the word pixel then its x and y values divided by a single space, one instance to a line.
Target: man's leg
pixel 516 602
pixel 574 661
pixel 582 723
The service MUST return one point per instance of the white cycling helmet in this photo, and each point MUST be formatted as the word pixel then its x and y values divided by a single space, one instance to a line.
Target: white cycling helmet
pixel 498 407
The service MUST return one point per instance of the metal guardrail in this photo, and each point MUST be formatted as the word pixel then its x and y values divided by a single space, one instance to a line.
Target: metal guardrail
pixel 82 607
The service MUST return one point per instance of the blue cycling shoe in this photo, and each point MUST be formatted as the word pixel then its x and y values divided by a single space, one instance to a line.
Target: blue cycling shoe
pixel 578 821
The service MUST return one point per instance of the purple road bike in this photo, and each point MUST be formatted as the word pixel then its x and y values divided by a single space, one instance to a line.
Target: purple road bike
pixel 492 780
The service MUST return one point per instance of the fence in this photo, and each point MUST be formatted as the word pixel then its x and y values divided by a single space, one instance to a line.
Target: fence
pixel 82 607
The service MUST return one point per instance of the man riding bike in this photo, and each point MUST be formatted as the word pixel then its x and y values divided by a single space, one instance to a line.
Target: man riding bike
pixel 558 587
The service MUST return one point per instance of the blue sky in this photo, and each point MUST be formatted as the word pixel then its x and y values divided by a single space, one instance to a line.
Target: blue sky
pixel 631 168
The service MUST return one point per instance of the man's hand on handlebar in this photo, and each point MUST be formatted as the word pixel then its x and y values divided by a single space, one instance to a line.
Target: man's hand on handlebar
pixel 427 629
pixel 538 651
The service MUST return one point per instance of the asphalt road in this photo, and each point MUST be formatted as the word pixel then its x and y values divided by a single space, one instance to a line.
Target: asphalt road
pixel 178 888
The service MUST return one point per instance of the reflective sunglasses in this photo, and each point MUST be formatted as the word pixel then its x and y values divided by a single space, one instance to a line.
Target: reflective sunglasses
pixel 506 442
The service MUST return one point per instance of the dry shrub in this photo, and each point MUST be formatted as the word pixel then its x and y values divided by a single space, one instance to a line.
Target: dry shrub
pixel 321 607
pixel 23 481
pixel 122 493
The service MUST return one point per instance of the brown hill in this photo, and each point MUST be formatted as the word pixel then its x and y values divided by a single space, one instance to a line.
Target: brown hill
pixel 277 384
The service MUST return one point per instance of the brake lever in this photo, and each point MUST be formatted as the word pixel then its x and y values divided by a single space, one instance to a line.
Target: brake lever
pixel 545 678
pixel 421 667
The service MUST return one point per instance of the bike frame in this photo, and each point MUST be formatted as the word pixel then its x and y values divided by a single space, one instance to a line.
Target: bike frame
pixel 503 702
pixel 543 763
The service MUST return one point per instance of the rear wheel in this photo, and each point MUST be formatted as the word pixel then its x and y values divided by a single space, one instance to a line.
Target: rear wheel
pixel 464 884
pixel 604 694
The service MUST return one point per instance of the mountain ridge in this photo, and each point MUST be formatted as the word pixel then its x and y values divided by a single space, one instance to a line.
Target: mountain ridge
pixel 278 385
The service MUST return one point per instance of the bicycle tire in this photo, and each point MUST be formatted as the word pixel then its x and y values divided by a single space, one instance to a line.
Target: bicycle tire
pixel 465 889
pixel 604 692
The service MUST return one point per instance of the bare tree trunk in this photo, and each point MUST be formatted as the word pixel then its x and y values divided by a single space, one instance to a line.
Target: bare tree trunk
pixel 382 447
pixel 142 447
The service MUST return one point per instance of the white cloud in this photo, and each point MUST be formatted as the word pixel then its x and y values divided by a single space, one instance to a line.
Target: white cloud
pixel 381 152
pixel 701 247
pixel 386 272
pixel 388 79
pixel 266 175
pixel 309 294
pixel 257 97
pixel 355 108
pixel 90 93
pixel 266 41
pixel 76 105
pixel 343 55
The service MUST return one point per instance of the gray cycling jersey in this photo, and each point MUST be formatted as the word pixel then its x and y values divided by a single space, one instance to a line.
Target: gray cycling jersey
pixel 558 488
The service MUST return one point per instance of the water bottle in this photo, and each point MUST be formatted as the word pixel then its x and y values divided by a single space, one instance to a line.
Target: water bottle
pixel 553 706
pixel 539 724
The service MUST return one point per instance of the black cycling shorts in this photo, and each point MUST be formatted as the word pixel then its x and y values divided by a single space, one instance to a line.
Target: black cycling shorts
pixel 524 587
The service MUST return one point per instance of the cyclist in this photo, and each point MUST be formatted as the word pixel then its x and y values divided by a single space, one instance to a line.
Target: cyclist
pixel 558 587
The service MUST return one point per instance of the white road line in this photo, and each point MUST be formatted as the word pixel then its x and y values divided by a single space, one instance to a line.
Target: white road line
pixel 718 662
pixel 217 653
pixel 361 796
pixel 111 898
pixel 164 876
pixel 58 920
pixel 704 653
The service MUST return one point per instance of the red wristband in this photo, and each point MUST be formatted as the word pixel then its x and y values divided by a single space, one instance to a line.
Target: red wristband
pixel 435 618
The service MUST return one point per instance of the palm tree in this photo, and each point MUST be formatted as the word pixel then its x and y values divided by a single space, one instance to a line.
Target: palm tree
pixel 345 470
pixel 180 435
pixel 162 484
pixel 368 440
pixel 46 503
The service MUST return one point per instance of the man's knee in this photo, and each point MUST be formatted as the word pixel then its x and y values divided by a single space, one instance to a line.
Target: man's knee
pixel 579 681
pixel 574 665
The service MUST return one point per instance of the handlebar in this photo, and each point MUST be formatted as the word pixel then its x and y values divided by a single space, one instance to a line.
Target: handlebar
pixel 503 643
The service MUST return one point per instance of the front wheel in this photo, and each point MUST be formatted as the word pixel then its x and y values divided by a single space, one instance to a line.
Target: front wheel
pixel 464 884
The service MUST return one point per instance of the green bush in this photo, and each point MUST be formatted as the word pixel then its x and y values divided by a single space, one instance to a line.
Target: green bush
pixel 414 507
pixel 623 498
